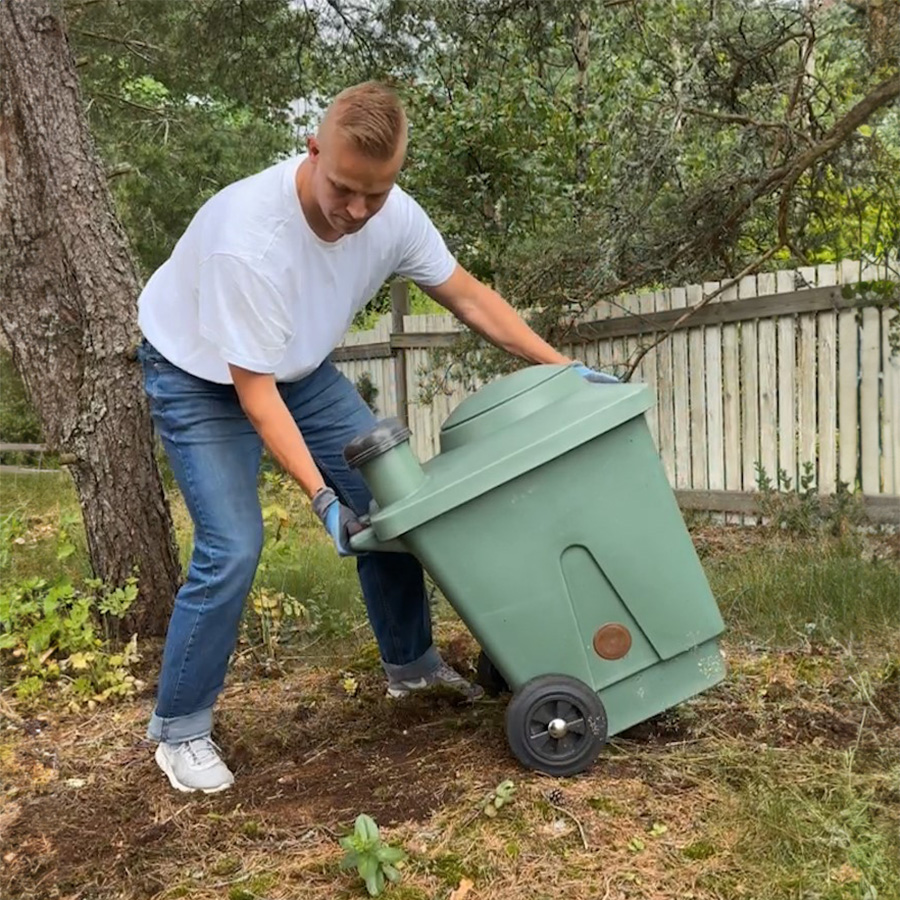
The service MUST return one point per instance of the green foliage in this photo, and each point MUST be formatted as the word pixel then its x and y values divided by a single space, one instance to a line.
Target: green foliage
pixel 374 860
pixel 653 162
pixel 302 588
pixel 882 293
pixel 368 390
pixel 48 636
pixel 801 509
pixel 19 423
pixel 11 529
pixel 172 125
pixel 501 796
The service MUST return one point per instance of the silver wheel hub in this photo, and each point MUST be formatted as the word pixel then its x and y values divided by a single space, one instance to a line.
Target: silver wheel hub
pixel 557 728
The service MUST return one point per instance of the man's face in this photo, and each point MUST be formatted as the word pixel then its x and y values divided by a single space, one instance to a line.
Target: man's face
pixel 349 188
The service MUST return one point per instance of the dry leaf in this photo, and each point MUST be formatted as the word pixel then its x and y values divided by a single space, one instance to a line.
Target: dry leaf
pixel 846 874
pixel 464 887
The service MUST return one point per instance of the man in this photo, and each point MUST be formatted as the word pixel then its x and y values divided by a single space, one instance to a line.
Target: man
pixel 238 325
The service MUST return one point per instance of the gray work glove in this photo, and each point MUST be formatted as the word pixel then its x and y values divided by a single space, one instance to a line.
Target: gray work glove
pixel 339 520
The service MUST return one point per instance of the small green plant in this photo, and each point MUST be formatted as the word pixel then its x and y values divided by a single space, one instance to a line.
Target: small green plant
pixel 65 545
pixel 112 603
pixel 11 529
pixel 48 635
pixel 374 860
pixel 801 509
pixel 273 609
pixel 501 796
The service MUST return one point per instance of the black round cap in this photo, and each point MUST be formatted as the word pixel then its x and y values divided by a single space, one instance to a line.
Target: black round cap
pixel 386 435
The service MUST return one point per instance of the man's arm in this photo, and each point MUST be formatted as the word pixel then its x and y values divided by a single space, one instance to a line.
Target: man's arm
pixel 484 311
pixel 273 421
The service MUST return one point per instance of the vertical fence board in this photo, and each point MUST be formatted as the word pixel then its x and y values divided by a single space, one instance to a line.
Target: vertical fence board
pixel 648 371
pixel 697 388
pixel 826 389
pixel 666 413
pixel 682 419
pixel 715 424
pixel 806 378
pixel 768 383
pixel 848 385
pixel 787 376
pixel 749 392
pixel 890 407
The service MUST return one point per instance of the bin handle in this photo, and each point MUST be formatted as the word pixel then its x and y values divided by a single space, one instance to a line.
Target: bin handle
pixel 366 541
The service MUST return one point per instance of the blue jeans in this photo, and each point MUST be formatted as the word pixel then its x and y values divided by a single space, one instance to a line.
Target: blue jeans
pixel 215 453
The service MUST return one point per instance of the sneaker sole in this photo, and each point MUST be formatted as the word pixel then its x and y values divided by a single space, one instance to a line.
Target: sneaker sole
pixel 163 763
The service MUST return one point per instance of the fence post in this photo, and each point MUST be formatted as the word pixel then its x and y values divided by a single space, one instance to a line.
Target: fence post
pixel 399 309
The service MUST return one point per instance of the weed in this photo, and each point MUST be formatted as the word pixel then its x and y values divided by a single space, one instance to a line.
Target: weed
pixel 48 634
pixel 374 860
pixel 802 510
pixel 11 530
pixel 699 850
pixel 498 798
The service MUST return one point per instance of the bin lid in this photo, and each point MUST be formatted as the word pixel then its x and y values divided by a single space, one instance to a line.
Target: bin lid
pixel 501 391
pixel 525 420
pixel 503 403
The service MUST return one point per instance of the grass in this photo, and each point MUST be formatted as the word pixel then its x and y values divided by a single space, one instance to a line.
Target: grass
pixel 784 590
pixel 783 783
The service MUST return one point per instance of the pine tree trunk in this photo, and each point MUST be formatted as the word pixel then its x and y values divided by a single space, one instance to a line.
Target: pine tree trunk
pixel 69 287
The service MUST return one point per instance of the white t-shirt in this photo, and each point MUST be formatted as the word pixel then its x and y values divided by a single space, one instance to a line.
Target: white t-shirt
pixel 250 283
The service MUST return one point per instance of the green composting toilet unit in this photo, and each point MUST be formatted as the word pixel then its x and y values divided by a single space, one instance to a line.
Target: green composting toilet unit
pixel 549 524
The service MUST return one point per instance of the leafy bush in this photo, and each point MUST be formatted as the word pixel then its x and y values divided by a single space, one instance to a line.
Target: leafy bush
pixel 49 636
pixel 801 509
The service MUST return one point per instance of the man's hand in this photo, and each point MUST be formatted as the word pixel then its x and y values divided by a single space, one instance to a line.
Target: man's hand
pixel 340 521
pixel 594 376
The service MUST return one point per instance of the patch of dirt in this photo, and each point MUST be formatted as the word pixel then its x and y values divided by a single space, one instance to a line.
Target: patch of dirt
pixel 398 762
pixel 727 541
pixel 311 751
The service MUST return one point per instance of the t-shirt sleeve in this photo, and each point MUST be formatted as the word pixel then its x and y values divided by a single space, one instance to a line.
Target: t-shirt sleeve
pixel 242 314
pixel 425 258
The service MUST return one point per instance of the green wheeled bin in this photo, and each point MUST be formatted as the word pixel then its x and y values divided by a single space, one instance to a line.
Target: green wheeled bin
pixel 548 523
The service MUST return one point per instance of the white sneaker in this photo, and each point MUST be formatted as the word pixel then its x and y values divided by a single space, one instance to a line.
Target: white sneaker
pixel 194 766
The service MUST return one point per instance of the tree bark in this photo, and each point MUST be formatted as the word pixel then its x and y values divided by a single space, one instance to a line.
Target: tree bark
pixel 69 287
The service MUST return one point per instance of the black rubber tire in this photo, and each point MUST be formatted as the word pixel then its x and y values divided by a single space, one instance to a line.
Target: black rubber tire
pixel 489 677
pixel 549 697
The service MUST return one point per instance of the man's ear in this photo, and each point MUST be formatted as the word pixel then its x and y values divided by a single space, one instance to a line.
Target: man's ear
pixel 312 145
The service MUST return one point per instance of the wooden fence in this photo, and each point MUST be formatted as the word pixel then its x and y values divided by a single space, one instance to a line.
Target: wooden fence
pixel 780 369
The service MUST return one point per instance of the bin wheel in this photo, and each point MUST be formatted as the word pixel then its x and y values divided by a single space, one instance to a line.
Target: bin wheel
pixel 489 677
pixel 556 724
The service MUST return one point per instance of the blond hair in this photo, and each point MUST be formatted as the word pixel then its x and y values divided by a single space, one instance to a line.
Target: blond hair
pixel 371 117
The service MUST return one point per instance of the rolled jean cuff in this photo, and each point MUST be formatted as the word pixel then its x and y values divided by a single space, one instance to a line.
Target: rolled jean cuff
pixel 418 668
pixel 178 729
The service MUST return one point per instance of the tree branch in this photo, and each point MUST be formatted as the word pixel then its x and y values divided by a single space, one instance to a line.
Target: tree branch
pixel 115 98
pixel 786 176
pixel 735 118
pixel 707 298
pixel 132 45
